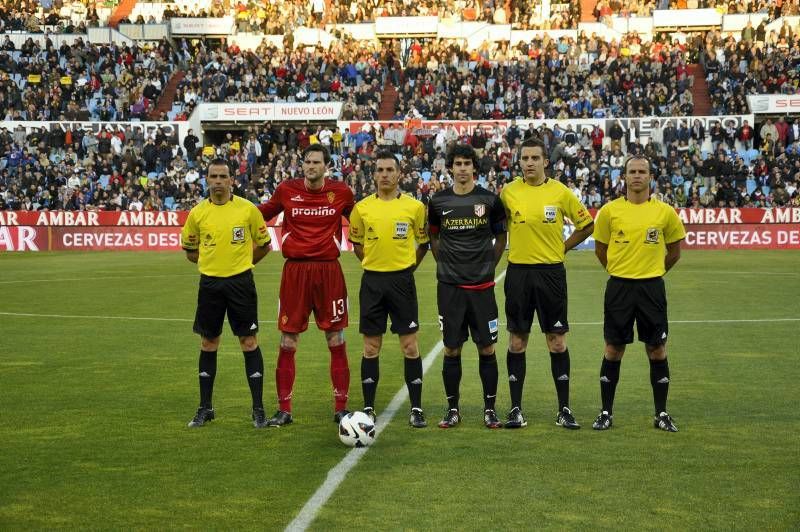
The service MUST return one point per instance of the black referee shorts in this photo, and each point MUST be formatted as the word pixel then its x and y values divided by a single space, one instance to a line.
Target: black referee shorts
pixel 463 311
pixel 539 289
pixel 388 294
pixel 640 300
pixel 235 295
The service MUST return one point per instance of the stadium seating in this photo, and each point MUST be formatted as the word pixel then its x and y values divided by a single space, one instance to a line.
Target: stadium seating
pixel 578 74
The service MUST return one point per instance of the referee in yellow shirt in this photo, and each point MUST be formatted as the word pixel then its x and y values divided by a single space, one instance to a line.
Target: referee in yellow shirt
pixel 637 240
pixel 536 281
pixel 389 236
pixel 226 235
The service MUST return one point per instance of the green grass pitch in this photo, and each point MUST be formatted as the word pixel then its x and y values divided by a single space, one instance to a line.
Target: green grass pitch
pixel 98 380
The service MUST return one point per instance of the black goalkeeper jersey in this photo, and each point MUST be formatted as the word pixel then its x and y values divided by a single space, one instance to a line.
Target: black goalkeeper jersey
pixel 466 225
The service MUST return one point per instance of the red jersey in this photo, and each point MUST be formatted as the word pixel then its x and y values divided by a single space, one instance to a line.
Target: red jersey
pixel 312 219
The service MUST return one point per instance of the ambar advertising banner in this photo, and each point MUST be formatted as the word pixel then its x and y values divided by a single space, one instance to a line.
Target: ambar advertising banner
pixel 777 228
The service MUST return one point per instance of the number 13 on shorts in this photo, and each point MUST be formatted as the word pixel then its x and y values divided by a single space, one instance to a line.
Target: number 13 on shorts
pixel 339 307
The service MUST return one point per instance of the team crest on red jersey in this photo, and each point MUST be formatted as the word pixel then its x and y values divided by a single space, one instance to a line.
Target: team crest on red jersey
pixel 480 210
pixel 331 197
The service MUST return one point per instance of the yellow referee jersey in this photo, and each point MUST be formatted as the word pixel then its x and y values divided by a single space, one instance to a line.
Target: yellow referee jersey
pixel 389 231
pixel 637 236
pixel 224 234
pixel 536 220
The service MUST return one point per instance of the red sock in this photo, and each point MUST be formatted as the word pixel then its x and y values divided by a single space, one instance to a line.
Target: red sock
pixel 340 375
pixel 284 378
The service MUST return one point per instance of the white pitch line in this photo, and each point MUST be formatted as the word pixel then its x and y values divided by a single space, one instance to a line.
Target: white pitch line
pixel 338 473
pixel 66 316
pixel 113 278
pixel 277 273
pixel 136 276
pixel 760 320
pixel 355 322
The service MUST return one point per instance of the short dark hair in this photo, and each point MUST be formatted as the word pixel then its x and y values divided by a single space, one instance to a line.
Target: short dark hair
pixel 534 141
pixel 462 150
pixel 218 161
pixel 326 155
pixel 638 157
pixel 386 154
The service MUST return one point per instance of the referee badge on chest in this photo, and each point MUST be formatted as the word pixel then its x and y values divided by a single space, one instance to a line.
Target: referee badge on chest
pixel 237 235
pixel 651 236
pixel 400 230
pixel 480 210
pixel 550 214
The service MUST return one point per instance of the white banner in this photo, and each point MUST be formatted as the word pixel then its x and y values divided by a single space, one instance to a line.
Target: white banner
pixel 173 130
pixel 359 32
pixel 264 112
pixel 202 26
pixel 686 17
pixel 642 127
pixel 406 25
pixel 774 103
pixel 736 23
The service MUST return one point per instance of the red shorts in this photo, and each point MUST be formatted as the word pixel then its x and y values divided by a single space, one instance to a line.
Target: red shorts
pixel 312 286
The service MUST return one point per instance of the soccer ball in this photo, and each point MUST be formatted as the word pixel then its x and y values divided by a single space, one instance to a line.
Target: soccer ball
pixel 357 430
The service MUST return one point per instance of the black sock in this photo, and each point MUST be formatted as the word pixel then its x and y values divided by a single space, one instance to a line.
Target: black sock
pixel 516 377
pixel 451 375
pixel 413 371
pixel 559 367
pixel 487 368
pixel 254 369
pixel 207 370
pixel 370 371
pixel 659 379
pixel 609 377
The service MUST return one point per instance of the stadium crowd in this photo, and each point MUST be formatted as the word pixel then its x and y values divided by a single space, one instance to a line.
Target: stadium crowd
pixel 80 170
pixel 272 18
pixel 37 17
pixel 439 79
pixel 350 72
pixel 547 78
pixel 758 63
pixel 643 8
pixel 81 81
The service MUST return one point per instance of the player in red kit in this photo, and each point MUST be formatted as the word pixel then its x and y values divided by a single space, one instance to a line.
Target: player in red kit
pixel 312 277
